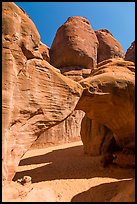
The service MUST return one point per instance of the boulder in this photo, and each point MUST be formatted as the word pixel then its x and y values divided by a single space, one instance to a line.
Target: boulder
pixel 75 44
pixel 108 47
pixel 35 96
pixel 108 98
pixel 130 53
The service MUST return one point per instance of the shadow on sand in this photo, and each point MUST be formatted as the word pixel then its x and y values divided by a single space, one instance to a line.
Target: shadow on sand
pixel 105 192
pixel 68 163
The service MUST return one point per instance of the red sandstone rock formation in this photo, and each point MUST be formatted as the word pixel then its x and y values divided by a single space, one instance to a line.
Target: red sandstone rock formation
pixel 108 98
pixel 35 96
pixel 76 73
pixel 108 47
pixel 66 131
pixel 97 139
pixel 75 44
pixel 126 193
pixel 74 52
pixel 130 53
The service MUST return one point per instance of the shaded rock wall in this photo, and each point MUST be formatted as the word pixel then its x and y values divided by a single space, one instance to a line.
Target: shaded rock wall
pixel 97 138
pixel 66 131
pixel 130 53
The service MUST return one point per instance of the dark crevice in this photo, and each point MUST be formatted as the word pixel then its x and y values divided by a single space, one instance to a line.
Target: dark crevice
pixel 39 111
pixel 14 122
pixel 113 147
pixel 109 144
pixel 31 114
pixel 28 54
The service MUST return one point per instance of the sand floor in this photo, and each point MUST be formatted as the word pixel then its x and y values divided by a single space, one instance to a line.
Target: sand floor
pixel 74 176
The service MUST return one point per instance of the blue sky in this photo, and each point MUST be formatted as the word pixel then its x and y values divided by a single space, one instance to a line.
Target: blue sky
pixel 117 17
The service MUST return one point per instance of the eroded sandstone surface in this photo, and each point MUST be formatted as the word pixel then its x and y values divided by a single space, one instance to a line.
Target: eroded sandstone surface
pixel 75 44
pixel 47 96
pixel 108 99
pixel 35 96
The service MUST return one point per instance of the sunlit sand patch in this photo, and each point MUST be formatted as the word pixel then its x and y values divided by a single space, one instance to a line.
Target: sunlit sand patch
pixel 31 166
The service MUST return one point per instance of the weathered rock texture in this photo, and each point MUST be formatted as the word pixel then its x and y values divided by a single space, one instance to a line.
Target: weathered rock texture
pixel 76 73
pixel 75 44
pixel 35 96
pixel 130 53
pixel 108 47
pixel 74 52
pixel 66 131
pixel 108 98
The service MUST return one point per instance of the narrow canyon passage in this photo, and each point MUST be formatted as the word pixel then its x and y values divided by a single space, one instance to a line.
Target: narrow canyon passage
pixel 71 174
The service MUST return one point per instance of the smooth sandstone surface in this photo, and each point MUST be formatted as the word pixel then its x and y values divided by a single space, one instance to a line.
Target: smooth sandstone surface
pixel 108 47
pixel 130 53
pixel 108 98
pixel 75 44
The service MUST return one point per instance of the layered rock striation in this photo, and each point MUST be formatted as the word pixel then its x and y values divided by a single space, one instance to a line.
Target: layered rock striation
pixel 35 96
pixel 74 53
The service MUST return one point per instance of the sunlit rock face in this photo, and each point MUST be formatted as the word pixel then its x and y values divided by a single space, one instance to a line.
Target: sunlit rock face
pixel 74 52
pixel 75 44
pixel 35 96
pixel 130 53
pixel 108 47
pixel 108 99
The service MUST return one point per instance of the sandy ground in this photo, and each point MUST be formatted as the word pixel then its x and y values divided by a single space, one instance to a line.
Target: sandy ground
pixel 73 176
